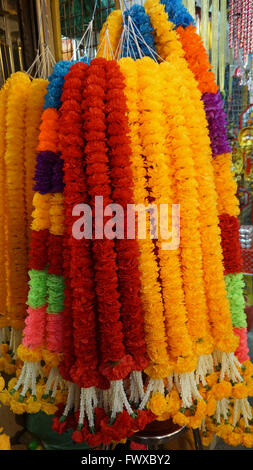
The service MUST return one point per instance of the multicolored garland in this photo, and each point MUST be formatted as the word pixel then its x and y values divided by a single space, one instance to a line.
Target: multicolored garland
pixel 144 133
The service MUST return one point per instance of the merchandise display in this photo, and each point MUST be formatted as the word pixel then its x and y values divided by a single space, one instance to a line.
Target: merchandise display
pixel 122 328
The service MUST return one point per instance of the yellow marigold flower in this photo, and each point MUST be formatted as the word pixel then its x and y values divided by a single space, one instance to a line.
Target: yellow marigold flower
pixel 226 186
pixel 247 439
pixel 180 419
pixel 2 383
pixel 240 391
pixel 5 443
pixel 173 401
pixel 222 390
pixel 248 372
pixel 33 406
pixel 17 407
pixel 211 406
pixel 28 355
pixel 157 404
pixel 164 417
pixel 48 408
pixel 195 421
pixel 52 359
pixel 234 439
pixel 12 383
pixel 201 409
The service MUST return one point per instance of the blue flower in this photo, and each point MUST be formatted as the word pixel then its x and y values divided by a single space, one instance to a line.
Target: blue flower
pixel 177 13
pixel 140 39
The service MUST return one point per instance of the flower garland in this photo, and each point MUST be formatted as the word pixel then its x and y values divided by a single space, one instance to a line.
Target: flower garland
pixel 33 117
pixel 115 363
pixel 19 89
pixel 153 149
pixel 241 405
pixel 154 325
pixel 164 34
pixel 109 36
pixel 177 13
pixel 54 89
pixel 232 257
pixel 225 186
pixel 139 42
pixel 197 59
pixel 216 118
pixel 84 371
pixel 186 195
pixel 127 250
pixel 3 213
pixel 36 334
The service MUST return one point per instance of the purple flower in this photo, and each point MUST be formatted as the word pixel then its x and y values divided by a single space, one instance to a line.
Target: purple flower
pixel 48 173
pixel 217 123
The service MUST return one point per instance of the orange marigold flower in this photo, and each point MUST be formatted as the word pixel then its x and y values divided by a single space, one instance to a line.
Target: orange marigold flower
pixel 211 406
pixel 247 439
pixel 234 439
pixel 222 390
pixel 180 419
pixel 157 404
pixel 240 391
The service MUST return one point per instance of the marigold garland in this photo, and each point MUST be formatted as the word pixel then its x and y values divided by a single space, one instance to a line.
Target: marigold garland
pixel 225 185
pixel 127 250
pixel 19 89
pixel 32 123
pixel 109 36
pixel 186 194
pixel 231 248
pixel 3 212
pixel 165 36
pixel 115 363
pixel 153 148
pixel 197 59
pixel 154 326
pixel 216 119
pixel 84 370
pixel 140 42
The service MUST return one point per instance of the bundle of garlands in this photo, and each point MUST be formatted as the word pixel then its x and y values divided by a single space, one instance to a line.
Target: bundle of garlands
pixel 119 330
pixel 21 102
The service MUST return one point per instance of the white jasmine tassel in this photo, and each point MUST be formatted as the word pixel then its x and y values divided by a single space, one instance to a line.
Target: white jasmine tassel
pixel 28 378
pixel 70 399
pixel 88 402
pixel 205 366
pixel 246 411
pixel 188 387
pixel 119 399
pixel 136 387
pixel 229 363
pixel 53 382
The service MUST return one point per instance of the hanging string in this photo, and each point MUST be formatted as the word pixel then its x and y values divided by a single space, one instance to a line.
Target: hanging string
pixel 44 60
pixel 87 41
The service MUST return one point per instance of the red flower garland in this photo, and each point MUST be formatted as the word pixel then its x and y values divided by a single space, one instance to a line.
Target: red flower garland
pixel 85 370
pixel 230 243
pixel 55 250
pixel 115 363
pixel 122 193
pixel 38 255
